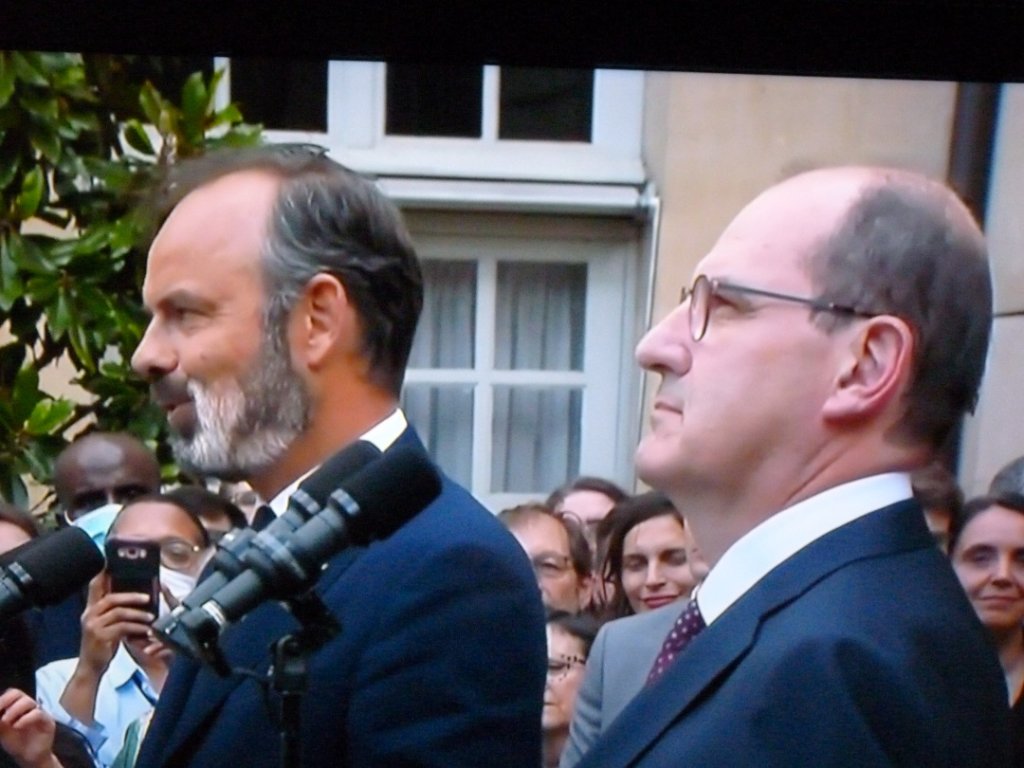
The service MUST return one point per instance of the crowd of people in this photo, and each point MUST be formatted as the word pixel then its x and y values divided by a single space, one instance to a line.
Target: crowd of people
pixel 804 585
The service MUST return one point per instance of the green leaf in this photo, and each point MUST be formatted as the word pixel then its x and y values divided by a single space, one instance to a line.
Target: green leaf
pixel 41 105
pixel 195 103
pixel 25 393
pixel 79 338
pixel 27 68
pixel 32 186
pixel 46 142
pixel 136 137
pixel 11 286
pixel 151 102
pixel 6 78
pixel 48 416
pixel 227 116
pixel 28 256
pixel 12 487
pixel 8 170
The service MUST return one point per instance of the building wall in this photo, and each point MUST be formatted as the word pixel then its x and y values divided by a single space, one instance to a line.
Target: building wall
pixel 996 434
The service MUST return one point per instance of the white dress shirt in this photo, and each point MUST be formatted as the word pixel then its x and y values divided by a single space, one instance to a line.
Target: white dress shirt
pixel 382 435
pixel 785 533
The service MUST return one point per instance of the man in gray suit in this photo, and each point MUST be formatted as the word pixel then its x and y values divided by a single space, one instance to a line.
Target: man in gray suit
pixel 620 660
pixel 617 667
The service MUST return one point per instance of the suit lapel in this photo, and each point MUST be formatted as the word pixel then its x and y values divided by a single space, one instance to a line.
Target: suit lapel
pixel 713 654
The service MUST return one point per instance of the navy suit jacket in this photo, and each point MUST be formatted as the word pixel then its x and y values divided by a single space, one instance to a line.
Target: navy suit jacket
pixel 859 650
pixel 440 661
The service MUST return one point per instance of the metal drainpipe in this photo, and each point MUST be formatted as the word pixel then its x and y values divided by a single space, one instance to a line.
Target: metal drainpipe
pixel 970 171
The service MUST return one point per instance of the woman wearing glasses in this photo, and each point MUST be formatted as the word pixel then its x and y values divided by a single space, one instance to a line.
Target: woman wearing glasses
pixel 569 639
pixel 120 669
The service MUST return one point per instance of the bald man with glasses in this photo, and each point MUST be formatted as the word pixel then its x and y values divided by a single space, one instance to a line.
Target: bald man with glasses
pixel 829 344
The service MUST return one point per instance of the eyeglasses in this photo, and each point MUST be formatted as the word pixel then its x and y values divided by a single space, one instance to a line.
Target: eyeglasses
pixel 550 566
pixel 558 668
pixel 178 554
pixel 705 288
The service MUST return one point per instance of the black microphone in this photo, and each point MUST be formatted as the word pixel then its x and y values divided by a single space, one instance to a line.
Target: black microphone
pixel 308 499
pixel 46 570
pixel 372 505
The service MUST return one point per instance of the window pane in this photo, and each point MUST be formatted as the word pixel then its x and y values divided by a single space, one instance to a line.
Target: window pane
pixel 549 104
pixel 540 310
pixel 434 100
pixel 444 336
pixel 536 438
pixel 443 418
pixel 281 93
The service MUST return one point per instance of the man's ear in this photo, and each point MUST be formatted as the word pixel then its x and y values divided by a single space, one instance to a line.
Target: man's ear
pixel 874 370
pixel 323 320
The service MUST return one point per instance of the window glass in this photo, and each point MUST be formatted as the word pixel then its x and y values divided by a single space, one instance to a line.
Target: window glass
pixel 443 417
pixel 546 104
pixel 434 100
pixel 539 322
pixel 446 331
pixel 288 94
pixel 535 438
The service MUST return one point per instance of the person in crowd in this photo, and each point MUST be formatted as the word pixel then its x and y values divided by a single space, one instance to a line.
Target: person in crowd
pixel 558 551
pixel 284 293
pixel 120 669
pixel 217 514
pixel 987 552
pixel 652 563
pixel 829 342
pixel 1009 478
pixel 570 637
pixel 103 468
pixel 92 477
pixel 242 496
pixel 647 562
pixel 29 736
pixel 936 489
pixel 589 500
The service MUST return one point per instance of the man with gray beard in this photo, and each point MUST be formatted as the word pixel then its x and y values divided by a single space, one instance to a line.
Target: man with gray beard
pixel 284 294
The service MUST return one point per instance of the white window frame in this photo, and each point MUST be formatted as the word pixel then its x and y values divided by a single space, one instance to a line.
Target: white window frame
pixel 609 379
pixel 355 133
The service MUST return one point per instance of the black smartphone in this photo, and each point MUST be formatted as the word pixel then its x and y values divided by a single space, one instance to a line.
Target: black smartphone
pixel 134 566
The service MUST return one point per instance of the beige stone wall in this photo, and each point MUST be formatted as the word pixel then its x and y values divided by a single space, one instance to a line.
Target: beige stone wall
pixel 996 434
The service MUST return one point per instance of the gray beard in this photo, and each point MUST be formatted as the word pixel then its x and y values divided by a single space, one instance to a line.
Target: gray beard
pixel 250 427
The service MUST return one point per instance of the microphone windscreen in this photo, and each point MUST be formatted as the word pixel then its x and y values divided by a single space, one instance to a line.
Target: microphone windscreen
pixel 58 564
pixel 337 469
pixel 390 492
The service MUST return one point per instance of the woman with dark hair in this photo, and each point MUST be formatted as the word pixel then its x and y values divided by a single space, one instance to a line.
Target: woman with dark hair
pixel 570 637
pixel 987 552
pixel 649 557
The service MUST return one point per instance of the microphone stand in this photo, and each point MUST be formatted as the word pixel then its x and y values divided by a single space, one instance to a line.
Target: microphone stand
pixel 289 672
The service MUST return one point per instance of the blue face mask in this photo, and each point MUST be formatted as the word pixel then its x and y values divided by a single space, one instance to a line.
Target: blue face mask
pixel 97 522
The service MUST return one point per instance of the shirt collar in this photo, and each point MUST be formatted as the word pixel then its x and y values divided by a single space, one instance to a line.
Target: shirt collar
pixel 382 435
pixel 785 533
pixel 122 667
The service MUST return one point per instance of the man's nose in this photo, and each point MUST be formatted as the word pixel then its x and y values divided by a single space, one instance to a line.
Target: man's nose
pixel 665 347
pixel 153 357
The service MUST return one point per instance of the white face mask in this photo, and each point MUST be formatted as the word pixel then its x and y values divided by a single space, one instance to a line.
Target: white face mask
pixel 97 522
pixel 178 584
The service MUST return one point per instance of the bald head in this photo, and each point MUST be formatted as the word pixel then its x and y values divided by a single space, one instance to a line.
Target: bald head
pixel 902 244
pixel 103 467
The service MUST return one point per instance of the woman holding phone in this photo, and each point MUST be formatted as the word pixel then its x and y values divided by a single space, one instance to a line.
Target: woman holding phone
pixel 121 669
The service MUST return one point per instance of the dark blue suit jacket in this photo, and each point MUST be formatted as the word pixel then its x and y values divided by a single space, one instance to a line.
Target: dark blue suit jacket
pixel 859 650
pixel 440 661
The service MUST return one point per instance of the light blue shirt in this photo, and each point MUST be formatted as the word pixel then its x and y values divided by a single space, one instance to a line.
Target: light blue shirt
pixel 124 695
